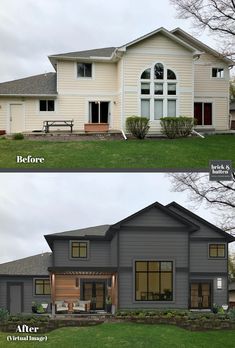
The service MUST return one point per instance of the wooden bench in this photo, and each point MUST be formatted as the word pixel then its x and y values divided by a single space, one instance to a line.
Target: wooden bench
pixel 57 123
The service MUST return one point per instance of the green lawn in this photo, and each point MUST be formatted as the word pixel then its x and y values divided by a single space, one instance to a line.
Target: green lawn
pixel 122 335
pixel 164 153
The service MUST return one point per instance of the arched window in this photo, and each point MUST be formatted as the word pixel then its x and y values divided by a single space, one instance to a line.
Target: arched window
pixel 158 92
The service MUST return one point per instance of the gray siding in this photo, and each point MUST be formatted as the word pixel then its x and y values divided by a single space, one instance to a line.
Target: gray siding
pixel 99 255
pixel 127 288
pixel 150 244
pixel 153 217
pixel 200 261
pixel 114 251
pixel 218 296
pixel 29 296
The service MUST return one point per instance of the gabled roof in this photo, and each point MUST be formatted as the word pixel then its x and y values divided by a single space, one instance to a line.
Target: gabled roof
pixel 179 207
pixel 200 45
pixel 38 85
pixel 36 265
pixel 164 32
pixel 97 52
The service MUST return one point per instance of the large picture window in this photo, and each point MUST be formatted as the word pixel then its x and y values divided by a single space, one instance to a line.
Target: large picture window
pixel 159 84
pixel 42 287
pixel 154 281
pixel 79 250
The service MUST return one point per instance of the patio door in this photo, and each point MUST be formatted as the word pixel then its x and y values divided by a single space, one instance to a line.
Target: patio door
pixel 95 292
pixel 99 112
pixel 200 295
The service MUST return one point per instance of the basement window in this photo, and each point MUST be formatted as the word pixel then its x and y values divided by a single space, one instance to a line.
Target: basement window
pixel 84 70
pixel 47 105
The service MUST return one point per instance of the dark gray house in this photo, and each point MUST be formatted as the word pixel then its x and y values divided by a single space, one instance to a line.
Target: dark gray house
pixel 159 257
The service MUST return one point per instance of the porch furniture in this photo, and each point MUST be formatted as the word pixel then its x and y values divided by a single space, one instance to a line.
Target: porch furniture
pixel 57 123
pixel 81 306
pixel 61 307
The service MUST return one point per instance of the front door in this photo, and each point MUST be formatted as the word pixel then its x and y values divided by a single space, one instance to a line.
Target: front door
pixel 200 295
pixel 95 292
pixel 16 118
pixel 15 296
pixel 99 112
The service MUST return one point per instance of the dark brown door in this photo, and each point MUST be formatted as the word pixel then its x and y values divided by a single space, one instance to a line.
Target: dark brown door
pixel 94 292
pixel 200 295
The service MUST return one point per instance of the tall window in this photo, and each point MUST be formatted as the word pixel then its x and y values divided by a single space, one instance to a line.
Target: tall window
pixel 203 114
pixel 158 92
pixel 217 250
pixel 84 70
pixel 79 250
pixel 42 287
pixel 153 280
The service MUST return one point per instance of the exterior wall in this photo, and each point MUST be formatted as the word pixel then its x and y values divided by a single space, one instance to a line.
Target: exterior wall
pixel 28 287
pixel 99 255
pixel 145 54
pixel 232 296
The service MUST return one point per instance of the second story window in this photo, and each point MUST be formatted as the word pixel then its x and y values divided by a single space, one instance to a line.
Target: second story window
pixel 79 250
pixel 218 73
pixel 216 250
pixel 84 70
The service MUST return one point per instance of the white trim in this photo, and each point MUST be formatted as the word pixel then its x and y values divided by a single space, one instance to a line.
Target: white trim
pixel 110 109
pixel 217 78
pixel 123 126
pixel 46 113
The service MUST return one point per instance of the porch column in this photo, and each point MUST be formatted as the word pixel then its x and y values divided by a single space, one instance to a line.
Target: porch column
pixel 53 293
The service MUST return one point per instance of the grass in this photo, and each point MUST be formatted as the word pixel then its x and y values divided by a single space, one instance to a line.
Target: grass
pixel 128 335
pixel 165 153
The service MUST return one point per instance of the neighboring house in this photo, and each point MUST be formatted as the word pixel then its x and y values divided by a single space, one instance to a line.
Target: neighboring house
pixel 163 73
pixel 232 113
pixel 159 257
pixel 232 293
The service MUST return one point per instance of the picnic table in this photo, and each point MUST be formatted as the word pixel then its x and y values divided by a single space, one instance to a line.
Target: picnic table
pixel 57 123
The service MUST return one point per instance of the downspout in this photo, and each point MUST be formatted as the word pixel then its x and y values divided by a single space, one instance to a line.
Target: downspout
pixel 198 134
pixel 123 134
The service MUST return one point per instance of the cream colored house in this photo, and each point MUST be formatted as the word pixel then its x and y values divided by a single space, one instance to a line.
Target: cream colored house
pixel 163 73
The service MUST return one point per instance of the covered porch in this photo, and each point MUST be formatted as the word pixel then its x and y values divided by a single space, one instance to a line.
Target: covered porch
pixel 83 292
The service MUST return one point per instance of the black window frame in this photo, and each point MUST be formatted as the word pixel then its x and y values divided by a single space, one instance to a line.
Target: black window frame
pixel 84 70
pixel 161 299
pixel 78 247
pixel 47 102
pixel 43 281
pixel 217 70
pixel 217 245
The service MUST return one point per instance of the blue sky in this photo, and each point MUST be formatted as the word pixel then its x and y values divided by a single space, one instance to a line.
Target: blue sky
pixel 31 30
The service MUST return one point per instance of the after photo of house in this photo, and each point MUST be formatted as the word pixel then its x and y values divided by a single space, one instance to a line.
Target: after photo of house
pixel 116 253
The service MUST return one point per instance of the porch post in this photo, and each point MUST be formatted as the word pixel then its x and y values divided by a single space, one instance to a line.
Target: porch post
pixel 53 294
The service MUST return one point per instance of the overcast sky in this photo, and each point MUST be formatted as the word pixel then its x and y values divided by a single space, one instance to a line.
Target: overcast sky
pixel 32 205
pixel 30 30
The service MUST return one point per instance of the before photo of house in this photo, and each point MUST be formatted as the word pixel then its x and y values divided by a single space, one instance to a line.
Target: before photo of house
pixel 163 73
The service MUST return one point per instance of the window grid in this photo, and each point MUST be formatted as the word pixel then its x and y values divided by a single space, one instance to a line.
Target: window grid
pixel 42 287
pixel 217 250
pixel 79 250
pixel 158 296
pixel 47 105
pixel 162 84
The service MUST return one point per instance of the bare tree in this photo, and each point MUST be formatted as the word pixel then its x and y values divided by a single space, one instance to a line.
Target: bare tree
pixel 216 15
pixel 217 195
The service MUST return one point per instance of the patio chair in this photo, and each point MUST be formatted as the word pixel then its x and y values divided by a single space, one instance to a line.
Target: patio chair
pixel 61 307
pixel 81 306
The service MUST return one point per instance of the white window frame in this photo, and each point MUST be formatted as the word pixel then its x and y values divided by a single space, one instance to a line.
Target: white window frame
pixel 219 283
pixel 85 77
pixel 152 96
pixel 218 77
pixel 98 102
pixel 204 102
pixel 47 111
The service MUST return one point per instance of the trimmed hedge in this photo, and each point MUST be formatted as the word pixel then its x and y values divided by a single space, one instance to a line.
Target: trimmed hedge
pixel 176 127
pixel 137 126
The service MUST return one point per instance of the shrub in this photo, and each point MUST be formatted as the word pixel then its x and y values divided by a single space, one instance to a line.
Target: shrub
pixel 18 136
pixel 231 313
pixel 3 315
pixel 137 126
pixel 175 127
